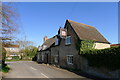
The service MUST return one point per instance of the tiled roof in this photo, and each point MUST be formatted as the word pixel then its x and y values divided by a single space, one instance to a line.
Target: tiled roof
pixel 86 32
pixel 48 43
pixel 115 45
pixel 12 46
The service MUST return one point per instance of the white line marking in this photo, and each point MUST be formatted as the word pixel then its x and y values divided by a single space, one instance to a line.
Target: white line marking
pixel 33 68
pixel 44 75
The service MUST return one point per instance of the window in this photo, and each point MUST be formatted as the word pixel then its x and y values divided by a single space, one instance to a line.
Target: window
pixel 11 48
pixel 42 57
pixel 56 59
pixel 63 33
pixel 68 40
pixel 70 59
pixel 38 56
pixel 44 47
pixel 56 41
pixel 39 48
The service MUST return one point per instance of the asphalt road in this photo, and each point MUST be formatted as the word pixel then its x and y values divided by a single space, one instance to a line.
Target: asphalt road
pixel 29 69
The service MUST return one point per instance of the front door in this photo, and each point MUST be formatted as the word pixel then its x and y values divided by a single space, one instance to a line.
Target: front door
pixel 47 58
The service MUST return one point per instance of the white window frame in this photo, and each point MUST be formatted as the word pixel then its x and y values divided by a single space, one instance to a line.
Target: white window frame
pixel 44 47
pixel 63 33
pixel 10 48
pixel 67 43
pixel 39 48
pixel 56 41
pixel 69 59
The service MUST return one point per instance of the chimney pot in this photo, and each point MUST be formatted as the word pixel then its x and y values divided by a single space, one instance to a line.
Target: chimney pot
pixel 45 38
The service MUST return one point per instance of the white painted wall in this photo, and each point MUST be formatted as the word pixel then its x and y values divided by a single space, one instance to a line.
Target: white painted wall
pixel 12 49
pixel 101 45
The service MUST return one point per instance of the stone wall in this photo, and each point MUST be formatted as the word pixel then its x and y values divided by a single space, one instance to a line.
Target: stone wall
pixel 100 72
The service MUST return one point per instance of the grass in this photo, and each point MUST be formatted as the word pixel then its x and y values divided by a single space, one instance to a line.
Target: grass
pixel 19 60
pixel 11 60
pixel 5 69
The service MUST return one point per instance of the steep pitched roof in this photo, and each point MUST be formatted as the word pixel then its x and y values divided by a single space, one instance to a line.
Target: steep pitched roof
pixel 86 32
pixel 48 43
pixel 115 45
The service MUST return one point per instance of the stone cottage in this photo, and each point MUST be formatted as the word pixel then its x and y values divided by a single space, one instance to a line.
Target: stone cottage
pixel 60 50
pixel 44 51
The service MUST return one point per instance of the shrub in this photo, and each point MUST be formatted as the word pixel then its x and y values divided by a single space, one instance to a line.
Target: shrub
pixel 5 69
pixel 15 57
pixel 84 45
pixel 108 58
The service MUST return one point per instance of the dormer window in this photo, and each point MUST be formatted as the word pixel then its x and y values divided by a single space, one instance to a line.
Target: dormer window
pixel 56 41
pixel 39 48
pixel 44 47
pixel 62 32
pixel 68 40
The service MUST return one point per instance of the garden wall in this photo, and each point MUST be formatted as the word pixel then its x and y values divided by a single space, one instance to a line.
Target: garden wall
pixel 104 62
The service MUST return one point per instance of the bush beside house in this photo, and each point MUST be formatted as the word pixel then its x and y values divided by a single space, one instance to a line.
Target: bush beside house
pixel 107 58
pixel 100 62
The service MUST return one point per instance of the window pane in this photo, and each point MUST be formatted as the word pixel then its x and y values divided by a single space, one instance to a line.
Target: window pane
pixel 68 40
pixel 70 59
pixel 56 42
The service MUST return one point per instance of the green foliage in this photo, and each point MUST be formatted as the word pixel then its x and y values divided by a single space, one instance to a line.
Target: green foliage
pixel 108 58
pixel 5 69
pixel 84 45
pixel 33 52
pixel 30 51
pixel 15 57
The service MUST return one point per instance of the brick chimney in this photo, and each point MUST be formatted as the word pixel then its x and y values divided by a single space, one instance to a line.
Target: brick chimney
pixel 45 38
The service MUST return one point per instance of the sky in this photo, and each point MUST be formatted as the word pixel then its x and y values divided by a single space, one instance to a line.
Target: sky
pixel 39 19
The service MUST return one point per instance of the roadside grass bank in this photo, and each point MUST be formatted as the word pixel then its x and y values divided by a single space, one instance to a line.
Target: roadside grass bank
pixel 5 69
pixel 15 58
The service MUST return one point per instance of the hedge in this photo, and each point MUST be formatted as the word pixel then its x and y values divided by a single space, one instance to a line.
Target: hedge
pixel 108 58
pixel 15 57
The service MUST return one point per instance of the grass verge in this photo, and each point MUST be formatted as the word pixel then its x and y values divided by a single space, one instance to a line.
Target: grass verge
pixel 5 69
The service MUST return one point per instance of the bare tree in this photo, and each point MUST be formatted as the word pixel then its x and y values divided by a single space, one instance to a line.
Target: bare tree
pixel 24 44
pixel 8 18
pixel 8 26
